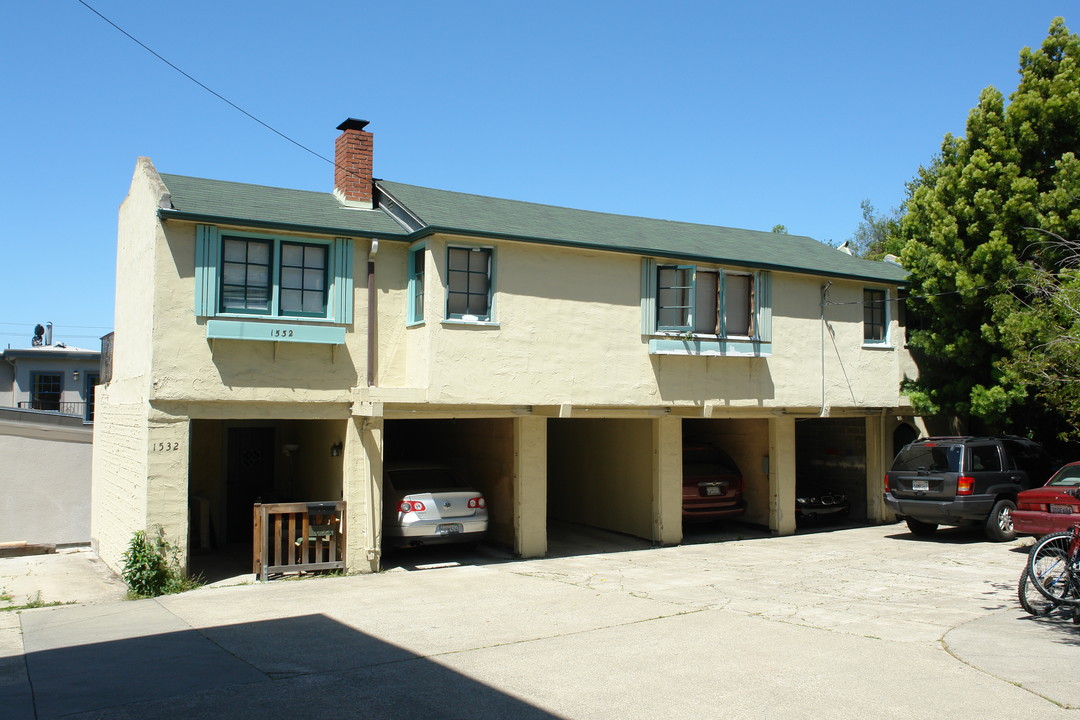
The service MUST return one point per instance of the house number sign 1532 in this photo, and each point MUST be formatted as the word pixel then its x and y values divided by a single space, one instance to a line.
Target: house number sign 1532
pixel 164 446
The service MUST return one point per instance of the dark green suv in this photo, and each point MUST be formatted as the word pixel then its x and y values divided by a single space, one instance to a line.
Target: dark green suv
pixel 963 480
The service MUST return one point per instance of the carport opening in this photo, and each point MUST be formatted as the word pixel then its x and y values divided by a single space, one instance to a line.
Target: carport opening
pixel 746 443
pixel 830 458
pixel 599 488
pixel 480 450
pixel 236 463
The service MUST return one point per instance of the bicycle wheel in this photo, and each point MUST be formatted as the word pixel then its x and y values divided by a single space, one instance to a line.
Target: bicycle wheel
pixel 1034 602
pixel 1048 566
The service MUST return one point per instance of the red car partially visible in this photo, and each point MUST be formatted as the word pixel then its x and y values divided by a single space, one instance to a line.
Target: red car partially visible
pixel 712 485
pixel 1051 508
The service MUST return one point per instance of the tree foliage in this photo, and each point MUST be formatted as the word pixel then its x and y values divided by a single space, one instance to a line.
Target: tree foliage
pixel 974 240
pixel 877 235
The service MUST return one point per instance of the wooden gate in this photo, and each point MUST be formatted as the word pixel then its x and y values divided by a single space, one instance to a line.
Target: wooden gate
pixel 298 538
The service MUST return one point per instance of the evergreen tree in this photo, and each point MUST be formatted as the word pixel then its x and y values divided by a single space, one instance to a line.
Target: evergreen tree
pixel 974 231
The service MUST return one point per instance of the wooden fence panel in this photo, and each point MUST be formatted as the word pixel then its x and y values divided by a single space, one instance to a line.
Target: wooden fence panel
pixel 298 538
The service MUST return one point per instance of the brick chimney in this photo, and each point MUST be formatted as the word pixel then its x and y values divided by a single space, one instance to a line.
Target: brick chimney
pixel 352 158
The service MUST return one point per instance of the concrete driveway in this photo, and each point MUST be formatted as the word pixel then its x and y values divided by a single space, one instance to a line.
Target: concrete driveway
pixel 862 622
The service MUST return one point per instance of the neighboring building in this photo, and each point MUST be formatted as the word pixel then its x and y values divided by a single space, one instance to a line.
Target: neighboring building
pixel 282 344
pixel 46 407
pixel 50 378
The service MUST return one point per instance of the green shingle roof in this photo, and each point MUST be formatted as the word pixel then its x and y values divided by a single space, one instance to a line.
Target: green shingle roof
pixel 258 205
pixel 476 215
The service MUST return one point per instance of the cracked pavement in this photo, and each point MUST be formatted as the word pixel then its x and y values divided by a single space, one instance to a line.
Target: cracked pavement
pixel 864 621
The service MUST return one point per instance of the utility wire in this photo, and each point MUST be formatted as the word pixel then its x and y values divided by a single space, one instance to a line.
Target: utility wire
pixel 77 327
pixel 908 297
pixel 216 94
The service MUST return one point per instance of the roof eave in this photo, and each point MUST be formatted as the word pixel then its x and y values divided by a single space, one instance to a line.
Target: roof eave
pixel 429 230
pixel 167 214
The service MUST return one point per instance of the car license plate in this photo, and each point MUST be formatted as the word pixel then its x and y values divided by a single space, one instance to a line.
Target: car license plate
pixel 920 485
pixel 1062 509
pixel 448 529
pixel 712 490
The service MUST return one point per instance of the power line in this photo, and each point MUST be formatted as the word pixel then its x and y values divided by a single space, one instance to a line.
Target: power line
pixel 908 297
pixel 216 94
pixel 77 327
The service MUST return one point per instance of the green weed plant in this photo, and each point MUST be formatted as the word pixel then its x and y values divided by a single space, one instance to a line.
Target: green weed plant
pixel 152 567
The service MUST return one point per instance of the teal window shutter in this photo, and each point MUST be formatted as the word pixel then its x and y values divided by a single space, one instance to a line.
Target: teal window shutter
pixel 343 280
pixel 648 296
pixel 763 296
pixel 207 254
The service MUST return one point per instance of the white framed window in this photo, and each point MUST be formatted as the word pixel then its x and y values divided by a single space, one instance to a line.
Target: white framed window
pixel 875 316
pixel 470 283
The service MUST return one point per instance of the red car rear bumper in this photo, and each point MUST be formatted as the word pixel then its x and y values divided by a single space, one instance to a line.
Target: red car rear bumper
pixel 1037 522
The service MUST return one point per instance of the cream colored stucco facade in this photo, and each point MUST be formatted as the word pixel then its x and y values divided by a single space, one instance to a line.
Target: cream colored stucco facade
pixel 556 406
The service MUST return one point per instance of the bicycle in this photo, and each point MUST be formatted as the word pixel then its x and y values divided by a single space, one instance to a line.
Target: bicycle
pixel 1053 568
pixel 1036 603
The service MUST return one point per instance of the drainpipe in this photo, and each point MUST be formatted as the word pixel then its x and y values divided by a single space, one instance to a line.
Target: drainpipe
pixel 824 300
pixel 371 312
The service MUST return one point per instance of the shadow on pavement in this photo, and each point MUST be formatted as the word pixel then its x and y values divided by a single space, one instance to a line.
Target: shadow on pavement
pixel 305 666
pixel 959 535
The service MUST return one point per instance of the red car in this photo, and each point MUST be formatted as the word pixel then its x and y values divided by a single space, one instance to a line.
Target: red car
pixel 712 485
pixel 1051 508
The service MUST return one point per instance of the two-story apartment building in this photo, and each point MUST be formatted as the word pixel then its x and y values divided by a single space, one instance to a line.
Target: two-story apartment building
pixel 279 344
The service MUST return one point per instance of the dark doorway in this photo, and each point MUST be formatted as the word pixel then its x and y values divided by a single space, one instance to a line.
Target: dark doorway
pixel 250 477
pixel 903 435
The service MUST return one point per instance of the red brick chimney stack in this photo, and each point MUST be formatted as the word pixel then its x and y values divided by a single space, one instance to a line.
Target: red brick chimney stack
pixel 352 158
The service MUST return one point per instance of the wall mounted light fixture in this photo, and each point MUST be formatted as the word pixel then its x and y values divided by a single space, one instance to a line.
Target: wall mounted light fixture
pixel 75 375
pixel 335 449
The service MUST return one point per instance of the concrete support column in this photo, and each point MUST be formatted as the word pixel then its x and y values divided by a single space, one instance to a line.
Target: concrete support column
pixel 878 459
pixel 361 487
pixel 667 481
pixel 167 480
pixel 782 475
pixel 530 486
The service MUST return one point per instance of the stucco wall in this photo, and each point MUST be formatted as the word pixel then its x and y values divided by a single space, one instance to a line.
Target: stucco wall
pixel 188 367
pixel 119 476
pixel 45 482
pixel 600 473
pixel 138 237
pixel 568 331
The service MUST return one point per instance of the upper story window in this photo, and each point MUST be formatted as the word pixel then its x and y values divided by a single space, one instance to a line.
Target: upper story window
pixel 417 261
pixel 245 274
pixel 469 283
pixel 702 310
pixel 244 279
pixel 706 301
pixel 875 316
pixel 273 278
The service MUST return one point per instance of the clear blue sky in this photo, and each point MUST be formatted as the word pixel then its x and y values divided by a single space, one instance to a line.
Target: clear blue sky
pixel 727 113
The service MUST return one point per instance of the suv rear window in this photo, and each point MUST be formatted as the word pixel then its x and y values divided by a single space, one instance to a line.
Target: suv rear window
pixel 929 457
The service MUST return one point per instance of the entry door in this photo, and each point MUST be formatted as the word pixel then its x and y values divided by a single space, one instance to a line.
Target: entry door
pixel 250 477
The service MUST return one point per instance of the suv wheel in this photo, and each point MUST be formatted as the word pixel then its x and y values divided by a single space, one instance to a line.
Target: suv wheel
pixel 999 526
pixel 918 527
